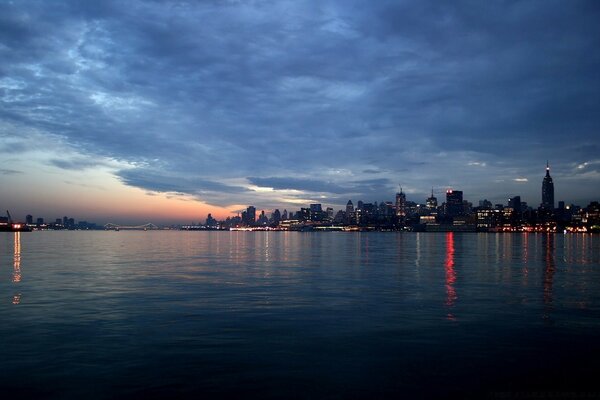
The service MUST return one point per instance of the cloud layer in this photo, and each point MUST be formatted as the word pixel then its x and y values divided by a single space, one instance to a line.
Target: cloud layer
pixel 265 101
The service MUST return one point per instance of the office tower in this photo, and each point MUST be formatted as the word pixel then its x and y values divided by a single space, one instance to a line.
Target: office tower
pixel 349 207
pixel 515 204
pixel 329 212
pixel 400 204
pixel 548 190
pixel 454 203
pixel 431 202
pixel 315 208
pixel 276 216
pixel 210 221
pixel 250 215
pixel 29 219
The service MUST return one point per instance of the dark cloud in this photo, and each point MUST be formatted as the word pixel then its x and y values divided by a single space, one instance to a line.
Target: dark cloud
pixel 5 171
pixel 78 164
pixel 291 93
pixel 205 190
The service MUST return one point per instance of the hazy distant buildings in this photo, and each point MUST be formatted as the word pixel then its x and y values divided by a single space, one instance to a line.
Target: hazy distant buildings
pixel 485 203
pixel 548 190
pixel 211 222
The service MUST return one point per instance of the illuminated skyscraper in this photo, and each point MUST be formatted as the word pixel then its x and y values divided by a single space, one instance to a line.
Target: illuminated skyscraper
pixel 432 201
pixel 400 204
pixel 548 190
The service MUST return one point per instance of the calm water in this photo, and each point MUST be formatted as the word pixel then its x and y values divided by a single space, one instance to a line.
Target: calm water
pixel 297 315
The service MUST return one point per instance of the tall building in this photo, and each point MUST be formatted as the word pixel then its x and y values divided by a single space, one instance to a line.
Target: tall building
pixel 548 190
pixel 515 204
pixel 400 204
pixel 316 208
pixel 251 215
pixel 210 221
pixel 454 203
pixel 276 216
pixel 432 201
pixel 329 212
pixel 349 207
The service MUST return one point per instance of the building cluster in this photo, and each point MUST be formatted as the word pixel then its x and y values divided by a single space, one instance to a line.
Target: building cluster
pixel 59 224
pixel 453 214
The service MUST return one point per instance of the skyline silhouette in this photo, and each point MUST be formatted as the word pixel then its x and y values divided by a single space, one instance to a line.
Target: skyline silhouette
pixel 168 111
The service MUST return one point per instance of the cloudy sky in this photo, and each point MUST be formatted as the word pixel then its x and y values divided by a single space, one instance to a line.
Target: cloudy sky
pixel 164 111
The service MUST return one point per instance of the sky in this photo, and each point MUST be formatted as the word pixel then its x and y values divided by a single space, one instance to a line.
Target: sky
pixel 149 111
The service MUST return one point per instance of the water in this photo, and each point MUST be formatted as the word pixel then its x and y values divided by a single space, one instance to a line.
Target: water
pixel 298 315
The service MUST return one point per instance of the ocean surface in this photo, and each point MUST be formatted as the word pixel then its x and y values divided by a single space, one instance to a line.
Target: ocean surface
pixel 171 314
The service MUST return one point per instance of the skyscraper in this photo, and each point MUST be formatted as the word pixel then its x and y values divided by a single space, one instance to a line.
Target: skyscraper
pixel 400 204
pixel 548 190
pixel 454 203
pixel 349 207
pixel 251 215
pixel 432 201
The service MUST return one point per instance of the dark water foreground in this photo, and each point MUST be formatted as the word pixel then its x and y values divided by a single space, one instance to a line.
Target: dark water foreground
pixel 299 315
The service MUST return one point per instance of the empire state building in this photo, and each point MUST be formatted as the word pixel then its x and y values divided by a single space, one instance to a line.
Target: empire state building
pixel 548 190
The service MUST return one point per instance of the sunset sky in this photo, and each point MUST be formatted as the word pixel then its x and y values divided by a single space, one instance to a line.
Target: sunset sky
pixel 132 111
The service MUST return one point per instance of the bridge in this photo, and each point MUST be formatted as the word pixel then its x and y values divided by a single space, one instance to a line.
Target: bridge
pixel 116 227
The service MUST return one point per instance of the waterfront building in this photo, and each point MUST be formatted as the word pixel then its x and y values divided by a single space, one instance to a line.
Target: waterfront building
pixel 488 218
pixel 210 221
pixel 548 190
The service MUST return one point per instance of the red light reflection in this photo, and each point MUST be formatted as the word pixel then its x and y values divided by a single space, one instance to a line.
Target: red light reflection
pixel 550 269
pixel 450 273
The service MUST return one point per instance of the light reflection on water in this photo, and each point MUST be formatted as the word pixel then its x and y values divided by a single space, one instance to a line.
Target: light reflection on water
pixel 286 314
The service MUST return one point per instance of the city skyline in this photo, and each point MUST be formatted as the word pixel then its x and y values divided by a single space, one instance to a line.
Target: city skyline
pixel 393 212
pixel 138 112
